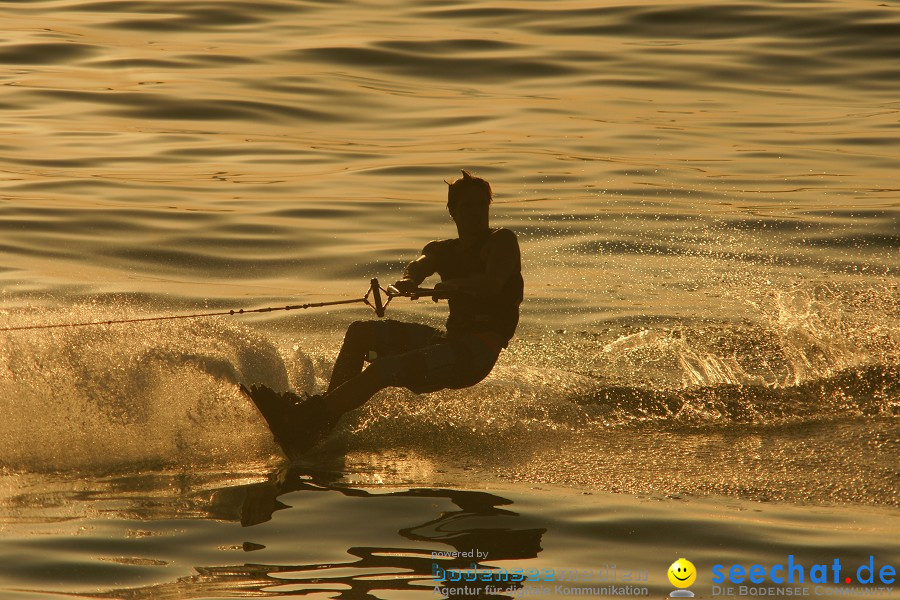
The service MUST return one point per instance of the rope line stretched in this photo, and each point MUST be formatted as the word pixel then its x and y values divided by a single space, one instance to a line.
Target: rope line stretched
pixel 193 316
pixel 374 290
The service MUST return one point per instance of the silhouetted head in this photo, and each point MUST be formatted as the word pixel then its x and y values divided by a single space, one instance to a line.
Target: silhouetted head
pixel 468 186
pixel 468 199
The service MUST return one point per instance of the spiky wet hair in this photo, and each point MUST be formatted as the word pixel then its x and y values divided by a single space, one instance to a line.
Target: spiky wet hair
pixel 466 185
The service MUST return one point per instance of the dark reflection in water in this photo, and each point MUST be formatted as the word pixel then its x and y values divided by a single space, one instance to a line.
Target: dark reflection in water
pixel 479 524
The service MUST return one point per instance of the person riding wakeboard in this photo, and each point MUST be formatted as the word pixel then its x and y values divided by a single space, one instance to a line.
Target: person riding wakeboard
pixel 480 273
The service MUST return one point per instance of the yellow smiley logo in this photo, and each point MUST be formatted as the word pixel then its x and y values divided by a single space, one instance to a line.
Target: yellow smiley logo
pixel 682 573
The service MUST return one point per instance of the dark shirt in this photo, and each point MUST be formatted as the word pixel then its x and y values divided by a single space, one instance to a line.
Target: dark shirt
pixel 477 313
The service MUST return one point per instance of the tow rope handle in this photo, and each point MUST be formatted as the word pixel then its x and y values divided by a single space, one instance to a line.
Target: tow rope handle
pixel 420 293
pixel 376 295
pixel 379 305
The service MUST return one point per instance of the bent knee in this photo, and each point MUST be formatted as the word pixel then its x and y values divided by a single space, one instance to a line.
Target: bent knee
pixel 361 332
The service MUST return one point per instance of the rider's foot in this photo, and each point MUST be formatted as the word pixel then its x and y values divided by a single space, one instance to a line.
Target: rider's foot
pixel 297 423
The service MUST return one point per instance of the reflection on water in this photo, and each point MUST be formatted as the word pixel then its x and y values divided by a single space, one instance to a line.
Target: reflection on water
pixel 181 535
pixel 476 522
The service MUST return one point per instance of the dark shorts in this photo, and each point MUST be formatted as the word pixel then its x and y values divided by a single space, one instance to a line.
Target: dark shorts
pixel 422 359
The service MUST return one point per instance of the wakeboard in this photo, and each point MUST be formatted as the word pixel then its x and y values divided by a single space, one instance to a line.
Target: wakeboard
pixel 284 415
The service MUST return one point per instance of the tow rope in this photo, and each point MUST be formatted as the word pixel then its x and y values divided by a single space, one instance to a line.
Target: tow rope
pixel 374 299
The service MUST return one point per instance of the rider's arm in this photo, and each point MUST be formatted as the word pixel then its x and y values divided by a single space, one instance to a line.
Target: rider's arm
pixel 418 270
